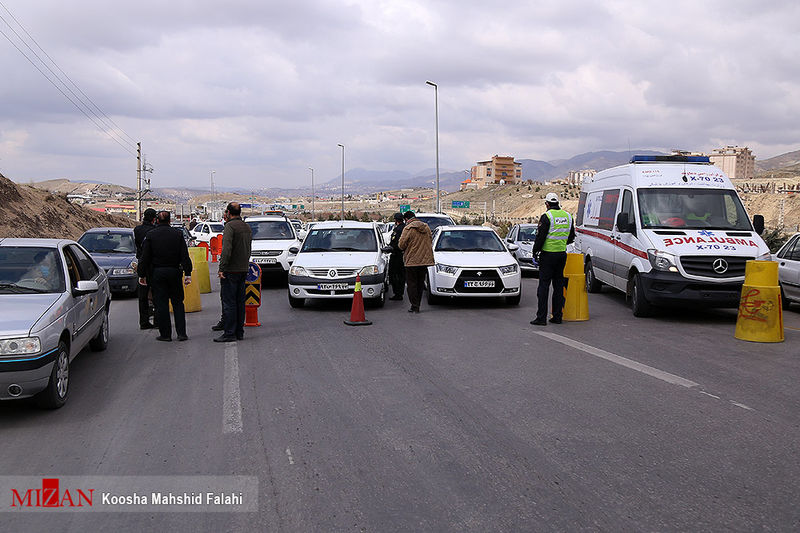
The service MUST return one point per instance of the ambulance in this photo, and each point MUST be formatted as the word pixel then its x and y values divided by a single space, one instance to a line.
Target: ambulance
pixel 666 230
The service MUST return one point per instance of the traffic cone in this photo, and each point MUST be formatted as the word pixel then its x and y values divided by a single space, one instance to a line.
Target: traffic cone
pixel 251 316
pixel 357 317
pixel 760 316
pixel 576 301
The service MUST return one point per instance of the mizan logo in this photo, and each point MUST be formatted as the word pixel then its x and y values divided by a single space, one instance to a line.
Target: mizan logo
pixel 50 495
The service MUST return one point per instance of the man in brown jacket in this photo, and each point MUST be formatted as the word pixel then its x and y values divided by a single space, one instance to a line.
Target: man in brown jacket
pixel 417 256
pixel 233 264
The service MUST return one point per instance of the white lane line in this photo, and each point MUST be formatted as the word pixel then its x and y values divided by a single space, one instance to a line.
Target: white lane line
pixel 709 394
pixel 289 455
pixel 633 365
pixel 743 406
pixel 231 396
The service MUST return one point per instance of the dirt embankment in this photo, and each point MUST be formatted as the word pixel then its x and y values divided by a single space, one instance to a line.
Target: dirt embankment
pixel 29 212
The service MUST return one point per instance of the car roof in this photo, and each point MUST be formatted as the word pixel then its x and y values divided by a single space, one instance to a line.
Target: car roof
pixel 348 224
pixel 439 215
pixel 466 227
pixel 528 225
pixel 266 218
pixel 109 229
pixel 46 243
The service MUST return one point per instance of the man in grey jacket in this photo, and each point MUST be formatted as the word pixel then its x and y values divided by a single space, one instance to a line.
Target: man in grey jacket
pixel 233 264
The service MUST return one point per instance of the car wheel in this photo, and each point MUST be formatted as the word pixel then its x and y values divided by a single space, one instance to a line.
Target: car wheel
pixel 100 341
pixel 297 303
pixel 593 285
pixel 55 395
pixel 639 305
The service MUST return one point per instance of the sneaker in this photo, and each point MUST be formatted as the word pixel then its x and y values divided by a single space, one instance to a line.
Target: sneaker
pixel 219 326
pixel 555 321
pixel 539 322
pixel 413 309
pixel 146 326
pixel 164 339
pixel 224 338
pixel 183 338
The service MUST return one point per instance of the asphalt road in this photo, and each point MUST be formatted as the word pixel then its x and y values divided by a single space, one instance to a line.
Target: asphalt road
pixel 461 418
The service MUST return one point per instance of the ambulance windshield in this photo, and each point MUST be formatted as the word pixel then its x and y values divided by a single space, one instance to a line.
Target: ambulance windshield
pixel 692 209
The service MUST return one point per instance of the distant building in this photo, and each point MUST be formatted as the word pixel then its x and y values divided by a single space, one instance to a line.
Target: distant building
pixel 497 170
pixel 468 184
pixel 735 161
pixel 576 177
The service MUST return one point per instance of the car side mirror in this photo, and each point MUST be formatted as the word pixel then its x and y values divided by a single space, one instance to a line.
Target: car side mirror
pixel 386 249
pixel 510 239
pixel 758 223
pixel 86 287
pixel 294 250
pixel 512 247
pixel 623 224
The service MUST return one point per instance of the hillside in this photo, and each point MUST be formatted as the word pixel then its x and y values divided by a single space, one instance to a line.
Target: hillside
pixel 31 212
pixel 789 159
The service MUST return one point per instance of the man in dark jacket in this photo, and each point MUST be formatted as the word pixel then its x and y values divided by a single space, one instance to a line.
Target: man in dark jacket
pixel 417 257
pixel 139 233
pixel 397 271
pixel 164 258
pixel 234 262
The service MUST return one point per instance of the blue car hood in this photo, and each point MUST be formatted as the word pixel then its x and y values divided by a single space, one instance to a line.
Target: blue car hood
pixel 107 261
pixel 20 312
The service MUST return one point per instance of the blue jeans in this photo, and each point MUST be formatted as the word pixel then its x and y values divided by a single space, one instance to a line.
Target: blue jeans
pixel 232 291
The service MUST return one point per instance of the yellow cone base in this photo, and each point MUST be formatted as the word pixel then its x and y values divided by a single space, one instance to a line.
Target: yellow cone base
pixel 576 300
pixel 199 259
pixel 760 312
pixel 191 298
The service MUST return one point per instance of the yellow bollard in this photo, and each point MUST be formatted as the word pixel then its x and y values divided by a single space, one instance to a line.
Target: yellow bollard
pixel 200 266
pixel 760 313
pixel 576 301
pixel 191 297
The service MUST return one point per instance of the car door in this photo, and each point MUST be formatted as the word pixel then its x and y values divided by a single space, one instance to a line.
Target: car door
pixel 789 268
pixel 89 307
pixel 626 243
pixel 600 232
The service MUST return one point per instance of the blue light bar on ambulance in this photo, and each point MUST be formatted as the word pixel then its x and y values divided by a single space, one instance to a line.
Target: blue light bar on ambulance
pixel 670 159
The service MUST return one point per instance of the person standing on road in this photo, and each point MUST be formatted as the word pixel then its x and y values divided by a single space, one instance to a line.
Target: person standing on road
pixel 397 273
pixel 220 326
pixel 555 232
pixel 417 249
pixel 234 262
pixel 164 258
pixel 139 233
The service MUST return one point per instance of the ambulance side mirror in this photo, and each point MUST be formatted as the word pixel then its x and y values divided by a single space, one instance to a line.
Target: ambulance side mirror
pixel 623 224
pixel 758 223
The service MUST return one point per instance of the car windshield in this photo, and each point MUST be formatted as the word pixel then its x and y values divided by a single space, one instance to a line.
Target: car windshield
pixel 271 229
pixel 217 228
pixel 692 209
pixel 469 241
pixel 30 270
pixel 435 222
pixel 527 234
pixel 340 240
pixel 108 242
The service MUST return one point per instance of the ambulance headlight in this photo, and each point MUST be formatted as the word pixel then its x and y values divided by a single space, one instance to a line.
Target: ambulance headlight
pixel 662 260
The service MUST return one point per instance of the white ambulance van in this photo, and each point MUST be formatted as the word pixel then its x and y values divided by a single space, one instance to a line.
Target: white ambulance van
pixel 666 230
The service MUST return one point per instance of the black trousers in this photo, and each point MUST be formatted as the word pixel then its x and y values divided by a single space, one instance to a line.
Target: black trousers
pixel 397 274
pixel 144 304
pixel 167 285
pixel 415 280
pixel 551 270
pixel 232 290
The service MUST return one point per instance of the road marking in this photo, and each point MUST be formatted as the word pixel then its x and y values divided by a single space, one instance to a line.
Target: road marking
pixel 743 406
pixel 709 394
pixel 633 365
pixel 231 396
pixel 289 455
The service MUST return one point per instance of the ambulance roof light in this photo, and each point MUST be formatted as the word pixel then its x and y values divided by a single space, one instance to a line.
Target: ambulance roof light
pixel 670 159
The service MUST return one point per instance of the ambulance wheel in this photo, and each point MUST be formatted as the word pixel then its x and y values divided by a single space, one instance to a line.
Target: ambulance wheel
pixel 639 305
pixel 296 302
pixel 593 285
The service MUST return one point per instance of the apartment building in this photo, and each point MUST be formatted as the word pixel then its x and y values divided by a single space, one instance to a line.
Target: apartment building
pixel 576 177
pixel 497 170
pixel 735 161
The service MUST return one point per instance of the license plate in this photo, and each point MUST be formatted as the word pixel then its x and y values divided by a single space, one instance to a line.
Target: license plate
pixel 265 260
pixel 479 283
pixel 332 287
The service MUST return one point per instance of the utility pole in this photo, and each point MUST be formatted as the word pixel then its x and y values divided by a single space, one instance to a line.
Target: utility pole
pixel 138 181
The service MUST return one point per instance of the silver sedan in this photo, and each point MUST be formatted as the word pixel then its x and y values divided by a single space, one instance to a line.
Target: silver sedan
pixel 54 301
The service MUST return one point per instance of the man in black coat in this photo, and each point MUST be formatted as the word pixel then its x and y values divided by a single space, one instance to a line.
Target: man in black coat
pixel 164 258
pixel 397 270
pixel 139 233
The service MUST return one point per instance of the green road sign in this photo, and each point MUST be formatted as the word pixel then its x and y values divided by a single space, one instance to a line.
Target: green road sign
pixel 458 204
pixel 302 206
pixel 404 207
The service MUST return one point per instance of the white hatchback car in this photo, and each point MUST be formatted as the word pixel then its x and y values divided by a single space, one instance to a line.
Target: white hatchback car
pixel 273 238
pixel 788 258
pixel 331 257
pixel 472 261
pixel 204 231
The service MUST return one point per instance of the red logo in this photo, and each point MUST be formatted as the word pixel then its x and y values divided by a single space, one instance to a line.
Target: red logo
pixel 50 495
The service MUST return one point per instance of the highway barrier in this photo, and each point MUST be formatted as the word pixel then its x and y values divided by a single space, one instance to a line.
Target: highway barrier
pixel 252 295
pixel 199 258
pixel 216 248
pixel 760 312
pixel 576 300
pixel 191 297
pixel 357 316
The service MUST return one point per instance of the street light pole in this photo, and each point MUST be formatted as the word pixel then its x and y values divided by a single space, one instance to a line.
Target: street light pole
pixel 313 194
pixel 340 144
pixel 436 99
pixel 213 194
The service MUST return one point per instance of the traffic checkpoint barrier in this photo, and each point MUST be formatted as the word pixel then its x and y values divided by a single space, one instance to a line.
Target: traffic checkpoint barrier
pixel 191 297
pixel 204 245
pixel 760 316
pixel 357 316
pixel 252 295
pixel 200 266
pixel 216 248
pixel 576 300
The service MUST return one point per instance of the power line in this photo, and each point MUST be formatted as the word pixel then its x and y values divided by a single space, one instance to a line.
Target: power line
pixel 81 105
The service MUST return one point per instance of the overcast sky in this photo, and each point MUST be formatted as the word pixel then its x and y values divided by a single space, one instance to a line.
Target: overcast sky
pixel 260 90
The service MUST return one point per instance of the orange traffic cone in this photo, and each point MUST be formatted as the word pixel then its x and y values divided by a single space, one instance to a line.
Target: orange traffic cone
pixel 357 317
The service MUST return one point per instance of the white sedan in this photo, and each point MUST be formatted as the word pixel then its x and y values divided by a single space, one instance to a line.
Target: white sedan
pixel 204 231
pixel 472 261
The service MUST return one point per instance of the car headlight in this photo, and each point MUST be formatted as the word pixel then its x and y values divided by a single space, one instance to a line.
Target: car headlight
pixel 446 269
pixel 662 260
pixel 510 269
pixel 764 257
pixel 297 271
pixel 123 271
pixel 20 346
pixel 369 270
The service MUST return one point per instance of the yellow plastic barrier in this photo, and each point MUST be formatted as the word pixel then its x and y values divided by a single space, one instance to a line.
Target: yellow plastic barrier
pixel 200 266
pixel 576 301
pixel 760 313
pixel 191 297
